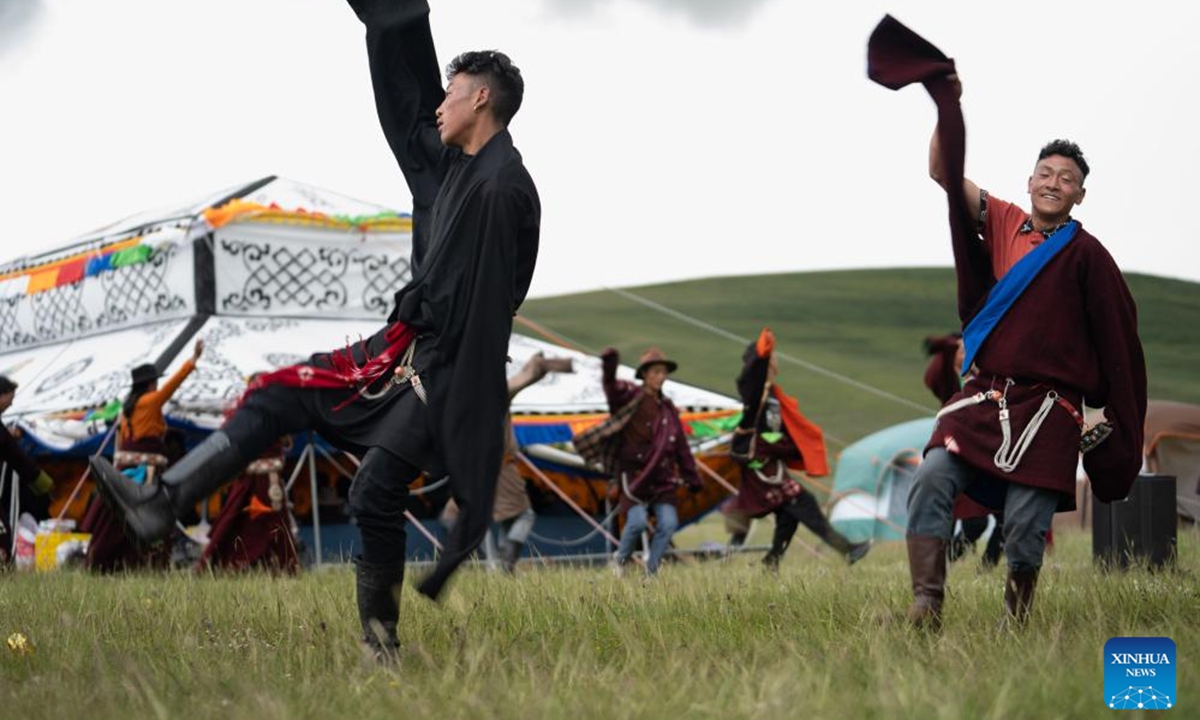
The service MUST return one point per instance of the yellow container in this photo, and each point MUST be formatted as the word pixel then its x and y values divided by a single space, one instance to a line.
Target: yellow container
pixel 46 547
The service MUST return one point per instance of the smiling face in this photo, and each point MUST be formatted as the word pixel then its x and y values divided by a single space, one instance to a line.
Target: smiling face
pixel 1055 188
pixel 458 113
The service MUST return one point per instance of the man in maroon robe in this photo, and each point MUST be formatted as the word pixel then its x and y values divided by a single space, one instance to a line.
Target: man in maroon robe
pixel 1011 437
pixel 652 457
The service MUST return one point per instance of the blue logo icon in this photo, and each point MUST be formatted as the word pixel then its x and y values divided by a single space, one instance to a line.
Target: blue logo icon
pixel 1139 673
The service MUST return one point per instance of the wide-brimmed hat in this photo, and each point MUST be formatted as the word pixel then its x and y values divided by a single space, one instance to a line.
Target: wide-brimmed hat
pixel 144 374
pixel 654 356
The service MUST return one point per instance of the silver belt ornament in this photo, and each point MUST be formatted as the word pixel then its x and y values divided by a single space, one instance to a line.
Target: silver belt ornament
pixel 404 373
pixel 1008 456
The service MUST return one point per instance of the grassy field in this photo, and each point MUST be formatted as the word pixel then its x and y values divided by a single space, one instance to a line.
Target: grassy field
pixel 865 326
pixel 716 639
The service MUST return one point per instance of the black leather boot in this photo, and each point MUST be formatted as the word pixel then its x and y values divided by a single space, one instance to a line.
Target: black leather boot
pixel 151 510
pixel 377 588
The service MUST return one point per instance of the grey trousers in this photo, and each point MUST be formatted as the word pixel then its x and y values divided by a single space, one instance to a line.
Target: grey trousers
pixel 1028 510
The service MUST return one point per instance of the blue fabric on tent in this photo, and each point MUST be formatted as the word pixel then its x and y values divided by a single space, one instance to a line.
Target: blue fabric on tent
pixel 542 434
pixel 97 265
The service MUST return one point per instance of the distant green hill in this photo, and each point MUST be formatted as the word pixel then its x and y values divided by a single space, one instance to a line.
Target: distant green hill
pixel 863 325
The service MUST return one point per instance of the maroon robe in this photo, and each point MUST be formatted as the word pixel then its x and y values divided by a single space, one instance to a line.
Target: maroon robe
pixel 1073 330
pixel 242 538
pixel 654 457
pixel 758 497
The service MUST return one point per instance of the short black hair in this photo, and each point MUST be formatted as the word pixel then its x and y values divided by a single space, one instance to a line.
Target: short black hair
pixel 500 75
pixel 7 385
pixel 1066 149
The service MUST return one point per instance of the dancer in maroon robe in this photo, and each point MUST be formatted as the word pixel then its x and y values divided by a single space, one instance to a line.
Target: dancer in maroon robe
pixel 254 529
pixel 772 441
pixel 1046 329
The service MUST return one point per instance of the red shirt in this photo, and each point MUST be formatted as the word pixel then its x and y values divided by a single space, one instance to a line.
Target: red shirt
pixel 1007 234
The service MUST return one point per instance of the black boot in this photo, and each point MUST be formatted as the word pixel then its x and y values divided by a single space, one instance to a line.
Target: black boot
pixel 510 556
pixel 377 588
pixel 853 552
pixel 785 529
pixel 994 549
pixel 151 510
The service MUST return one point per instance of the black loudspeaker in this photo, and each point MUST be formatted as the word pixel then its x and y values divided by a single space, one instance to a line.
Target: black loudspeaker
pixel 1141 528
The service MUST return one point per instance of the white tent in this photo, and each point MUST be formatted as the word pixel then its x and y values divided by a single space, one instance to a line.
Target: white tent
pixel 266 274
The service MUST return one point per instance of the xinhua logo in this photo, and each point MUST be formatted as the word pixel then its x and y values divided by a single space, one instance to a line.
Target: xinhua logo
pixel 1139 673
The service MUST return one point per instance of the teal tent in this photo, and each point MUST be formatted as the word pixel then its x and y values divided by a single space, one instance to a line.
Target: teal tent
pixel 872 480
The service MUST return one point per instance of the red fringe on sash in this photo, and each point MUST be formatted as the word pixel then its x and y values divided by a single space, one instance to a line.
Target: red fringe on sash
pixel 345 371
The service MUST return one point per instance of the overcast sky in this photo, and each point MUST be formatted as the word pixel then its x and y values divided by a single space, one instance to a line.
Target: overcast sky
pixel 669 139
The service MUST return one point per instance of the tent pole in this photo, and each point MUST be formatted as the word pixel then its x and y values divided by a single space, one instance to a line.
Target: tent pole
pixel 565 498
pixel 717 478
pixel 79 485
pixel 316 501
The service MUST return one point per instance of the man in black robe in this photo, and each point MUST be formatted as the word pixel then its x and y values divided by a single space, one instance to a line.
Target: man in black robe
pixel 428 391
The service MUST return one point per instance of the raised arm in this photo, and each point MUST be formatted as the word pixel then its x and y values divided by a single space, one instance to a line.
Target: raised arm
pixel 534 370
pixel 970 189
pixel 617 392
pixel 408 90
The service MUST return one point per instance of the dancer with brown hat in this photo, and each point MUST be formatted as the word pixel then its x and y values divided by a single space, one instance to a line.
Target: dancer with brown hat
pixel 643 445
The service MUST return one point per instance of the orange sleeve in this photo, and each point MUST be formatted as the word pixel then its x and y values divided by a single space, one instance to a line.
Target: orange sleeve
pixel 158 398
pixel 765 344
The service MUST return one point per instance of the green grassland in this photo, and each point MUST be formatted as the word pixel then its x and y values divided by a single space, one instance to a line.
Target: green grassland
pixel 864 325
pixel 716 639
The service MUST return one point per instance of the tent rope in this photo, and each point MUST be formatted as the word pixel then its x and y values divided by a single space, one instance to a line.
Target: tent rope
pixel 564 497
pixel 695 322
pixel 578 541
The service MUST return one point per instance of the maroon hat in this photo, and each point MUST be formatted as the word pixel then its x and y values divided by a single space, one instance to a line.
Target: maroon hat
pixel 654 356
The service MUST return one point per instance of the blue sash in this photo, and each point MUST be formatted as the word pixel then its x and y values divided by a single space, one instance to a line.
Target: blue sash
pixel 1008 288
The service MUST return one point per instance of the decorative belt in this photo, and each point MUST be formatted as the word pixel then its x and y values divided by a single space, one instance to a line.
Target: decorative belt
pixel 777 480
pixel 403 374
pixel 1009 455
pixel 265 466
pixel 133 458
pixel 271 467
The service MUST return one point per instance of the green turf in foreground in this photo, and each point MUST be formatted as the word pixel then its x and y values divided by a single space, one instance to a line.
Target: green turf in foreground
pixel 704 640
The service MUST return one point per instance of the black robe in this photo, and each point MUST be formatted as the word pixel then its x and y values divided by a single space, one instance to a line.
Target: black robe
pixel 476 226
